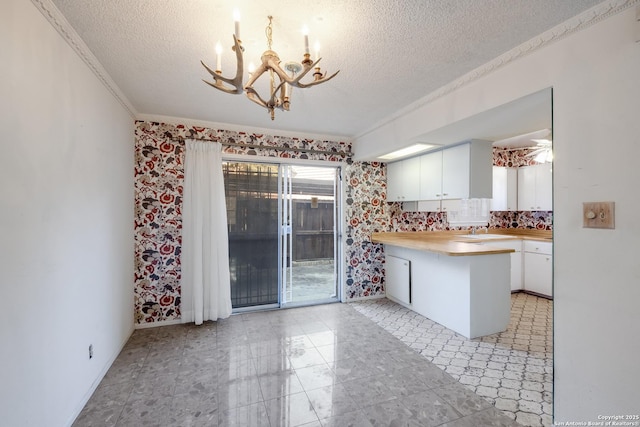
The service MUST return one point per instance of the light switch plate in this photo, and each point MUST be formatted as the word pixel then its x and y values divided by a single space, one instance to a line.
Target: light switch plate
pixel 598 215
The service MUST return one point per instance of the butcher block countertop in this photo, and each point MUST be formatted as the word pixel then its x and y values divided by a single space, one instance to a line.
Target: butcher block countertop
pixel 457 243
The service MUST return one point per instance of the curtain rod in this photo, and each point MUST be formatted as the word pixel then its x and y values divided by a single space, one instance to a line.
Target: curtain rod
pixel 235 144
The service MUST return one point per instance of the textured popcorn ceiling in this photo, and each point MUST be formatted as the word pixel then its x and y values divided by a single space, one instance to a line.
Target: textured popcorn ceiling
pixel 390 53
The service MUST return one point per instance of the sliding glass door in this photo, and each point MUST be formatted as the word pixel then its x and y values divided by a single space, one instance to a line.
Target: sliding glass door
pixel 309 234
pixel 283 234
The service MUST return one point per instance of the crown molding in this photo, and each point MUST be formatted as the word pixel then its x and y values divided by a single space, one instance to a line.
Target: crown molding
pixel 241 128
pixel 64 28
pixel 578 23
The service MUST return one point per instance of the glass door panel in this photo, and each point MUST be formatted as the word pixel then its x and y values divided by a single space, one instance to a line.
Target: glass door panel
pixel 309 234
pixel 251 191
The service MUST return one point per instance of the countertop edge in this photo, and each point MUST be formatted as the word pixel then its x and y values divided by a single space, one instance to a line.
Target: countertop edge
pixel 448 243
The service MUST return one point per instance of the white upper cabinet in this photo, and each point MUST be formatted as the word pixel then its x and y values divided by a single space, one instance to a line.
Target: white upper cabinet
pixel 505 189
pixel 403 180
pixel 535 187
pixel 431 176
pixel 460 172
pixel 455 172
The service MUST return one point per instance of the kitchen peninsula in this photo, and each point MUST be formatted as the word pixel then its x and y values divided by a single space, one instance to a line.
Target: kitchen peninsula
pixel 450 278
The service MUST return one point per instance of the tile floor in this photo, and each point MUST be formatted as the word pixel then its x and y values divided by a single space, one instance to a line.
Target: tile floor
pixel 314 366
pixel 513 370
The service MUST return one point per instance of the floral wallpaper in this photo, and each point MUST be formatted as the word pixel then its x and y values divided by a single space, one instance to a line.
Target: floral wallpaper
pixel 366 212
pixel 512 158
pixel 159 176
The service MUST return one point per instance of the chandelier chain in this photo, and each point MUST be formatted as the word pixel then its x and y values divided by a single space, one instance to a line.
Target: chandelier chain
pixel 269 31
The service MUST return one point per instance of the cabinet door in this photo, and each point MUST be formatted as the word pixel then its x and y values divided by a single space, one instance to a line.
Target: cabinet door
pixel 411 179
pixel 538 273
pixel 544 187
pixel 398 279
pixel 450 205
pixel 535 188
pixel 431 176
pixel 527 188
pixel 403 179
pixel 429 205
pixel 455 172
pixel 516 271
pixel 394 182
pixel 505 189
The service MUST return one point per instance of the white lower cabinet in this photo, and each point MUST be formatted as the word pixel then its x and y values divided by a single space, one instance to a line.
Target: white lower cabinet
pixel 467 294
pixel 516 260
pixel 538 267
pixel 398 279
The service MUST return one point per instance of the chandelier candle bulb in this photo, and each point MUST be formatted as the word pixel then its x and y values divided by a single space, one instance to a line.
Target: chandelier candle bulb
pixel 218 57
pixel 305 32
pixel 236 19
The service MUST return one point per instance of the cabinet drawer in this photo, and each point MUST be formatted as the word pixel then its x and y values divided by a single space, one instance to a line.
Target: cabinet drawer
pixel 537 247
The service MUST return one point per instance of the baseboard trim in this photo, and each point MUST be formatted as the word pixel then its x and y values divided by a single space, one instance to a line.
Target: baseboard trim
pixel 98 380
pixel 371 297
pixel 158 324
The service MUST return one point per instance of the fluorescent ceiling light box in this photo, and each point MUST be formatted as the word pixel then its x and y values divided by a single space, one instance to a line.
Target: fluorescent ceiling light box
pixel 407 151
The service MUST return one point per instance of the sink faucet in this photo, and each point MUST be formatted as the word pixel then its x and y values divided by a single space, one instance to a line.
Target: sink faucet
pixel 474 230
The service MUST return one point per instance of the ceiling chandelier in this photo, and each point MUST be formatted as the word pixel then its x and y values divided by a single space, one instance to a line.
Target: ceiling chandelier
pixel 281 80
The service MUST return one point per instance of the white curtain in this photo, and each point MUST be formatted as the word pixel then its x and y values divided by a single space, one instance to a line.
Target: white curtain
pixel 206 289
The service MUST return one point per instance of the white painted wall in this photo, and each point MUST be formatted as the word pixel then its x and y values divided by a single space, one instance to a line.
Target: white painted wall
pixel 595 74
pixel 66 199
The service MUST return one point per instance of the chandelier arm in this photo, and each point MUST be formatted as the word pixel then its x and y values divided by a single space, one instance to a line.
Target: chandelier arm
pixel 255 97
pixel 236 82
pixel 296 81
pixel 317 82
pixel 255 76
pixel 221 88
pixel 275 101
pixel 275 66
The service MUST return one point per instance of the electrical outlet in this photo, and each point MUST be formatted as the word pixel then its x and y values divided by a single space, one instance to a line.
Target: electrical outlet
pixel 598 215
pixel 90 351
